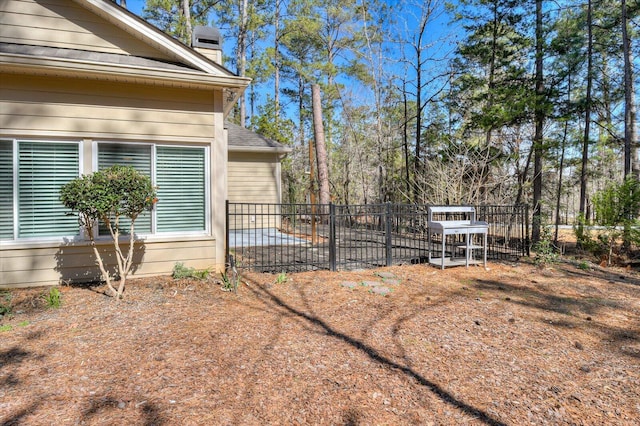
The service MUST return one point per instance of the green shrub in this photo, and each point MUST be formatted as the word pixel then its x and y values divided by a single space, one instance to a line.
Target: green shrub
pixel 185 272
pixel 281 278
pixel 546 252
pixel 107 196
pixel 617 208
pixel 53 298
pixel 5 303
pixel 584 266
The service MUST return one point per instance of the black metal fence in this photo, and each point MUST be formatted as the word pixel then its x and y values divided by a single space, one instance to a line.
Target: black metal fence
pixel 304 237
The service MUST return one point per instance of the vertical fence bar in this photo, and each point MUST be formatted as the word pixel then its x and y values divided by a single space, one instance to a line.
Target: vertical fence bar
pixel 526 230
pixel 226 232
pixel 332 237
pixel 388 240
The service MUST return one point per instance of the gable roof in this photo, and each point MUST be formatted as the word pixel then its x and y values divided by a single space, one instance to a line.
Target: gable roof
pixel 244 140
pixel 144 31
pixel 176 64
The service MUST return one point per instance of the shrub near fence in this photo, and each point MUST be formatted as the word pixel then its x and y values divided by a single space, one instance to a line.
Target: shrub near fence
pixel 303 237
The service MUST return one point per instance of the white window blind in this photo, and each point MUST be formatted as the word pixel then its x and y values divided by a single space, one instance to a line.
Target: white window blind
pixel 43 167
pixel 136 156
pixel 180 174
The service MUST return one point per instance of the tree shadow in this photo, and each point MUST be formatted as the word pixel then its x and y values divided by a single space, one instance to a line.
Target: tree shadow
pixel 19 417
pixel 568 306
pixel 604 274
pixel 376 356
pixel 12 355
pixel 151 414
pixel 76 263
pixel 545 301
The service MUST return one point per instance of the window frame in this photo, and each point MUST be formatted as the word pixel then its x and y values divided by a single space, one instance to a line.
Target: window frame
pixel 15 193
pixel 82 145
pixel 155 234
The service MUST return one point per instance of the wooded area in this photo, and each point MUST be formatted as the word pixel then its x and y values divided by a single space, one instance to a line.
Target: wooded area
pixel 427 101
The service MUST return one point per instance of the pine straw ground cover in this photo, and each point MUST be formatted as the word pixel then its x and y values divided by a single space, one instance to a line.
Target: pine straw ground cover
pixel 513 345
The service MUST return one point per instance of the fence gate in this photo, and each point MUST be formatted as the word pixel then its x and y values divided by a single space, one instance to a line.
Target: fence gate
pixel 303 237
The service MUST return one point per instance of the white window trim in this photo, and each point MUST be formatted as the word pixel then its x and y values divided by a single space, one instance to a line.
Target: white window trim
pixel 16 240
pixel 155 235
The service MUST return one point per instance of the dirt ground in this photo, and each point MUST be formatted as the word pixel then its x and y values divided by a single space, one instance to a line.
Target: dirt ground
pixel 406 345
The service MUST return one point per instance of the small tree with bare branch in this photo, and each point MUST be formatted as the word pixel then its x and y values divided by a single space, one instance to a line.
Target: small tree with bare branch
pixel 107 196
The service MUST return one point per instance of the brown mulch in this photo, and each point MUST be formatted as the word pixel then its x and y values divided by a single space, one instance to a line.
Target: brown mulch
pixel 512 345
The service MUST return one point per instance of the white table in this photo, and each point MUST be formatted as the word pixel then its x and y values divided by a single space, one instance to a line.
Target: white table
pixel 468 228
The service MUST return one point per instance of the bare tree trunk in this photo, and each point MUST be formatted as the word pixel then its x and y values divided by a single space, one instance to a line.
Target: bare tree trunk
pixel 276 62
pixel 241 55
pixel 321 149
pixel 186 14
pixel 587 113
pixel 560 171
pixel 405 145
pixel 539 123
pixel 631 160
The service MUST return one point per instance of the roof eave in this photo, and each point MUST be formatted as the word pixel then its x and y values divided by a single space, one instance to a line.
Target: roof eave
pixel 260 150
pixel 24 64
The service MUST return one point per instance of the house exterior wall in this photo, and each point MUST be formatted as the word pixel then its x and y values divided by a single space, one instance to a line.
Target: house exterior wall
pixel 45 264
pixel 90 112
pixel 254 178
pixel 62 107
pixel 66 24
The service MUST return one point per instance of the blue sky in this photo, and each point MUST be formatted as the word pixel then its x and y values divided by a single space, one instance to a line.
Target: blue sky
pixel 441 35
pixel 135 6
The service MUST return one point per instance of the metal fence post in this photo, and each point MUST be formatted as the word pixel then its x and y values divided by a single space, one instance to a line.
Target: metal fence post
pixel 226 231
pixel 388 240
pixel 332 237
pixel 527 241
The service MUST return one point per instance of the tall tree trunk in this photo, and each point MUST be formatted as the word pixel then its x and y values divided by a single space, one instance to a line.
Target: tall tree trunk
pixel 587 113
pixel 539 123
pixel 559 190
pixel 417 168
pixel 300 94
pixel 241 55
pixel 276 62
pixel 631 160
pixel 186 15
pixel 492 70
pixel 321 149
pixel 252 87
pixel 561 166
pixel 405 144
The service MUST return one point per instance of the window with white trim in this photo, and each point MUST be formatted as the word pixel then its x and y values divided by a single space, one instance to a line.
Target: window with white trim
pixel 179 172
pixel 31 175
pixel 180 176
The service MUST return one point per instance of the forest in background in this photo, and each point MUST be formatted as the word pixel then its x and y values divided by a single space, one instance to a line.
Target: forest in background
pixel 435 102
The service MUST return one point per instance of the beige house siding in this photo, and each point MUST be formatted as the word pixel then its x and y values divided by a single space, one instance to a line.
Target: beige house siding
pixel 55 263
pixel 254 178
pixel 66 24
pixel 62 107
